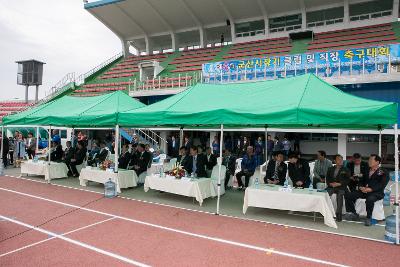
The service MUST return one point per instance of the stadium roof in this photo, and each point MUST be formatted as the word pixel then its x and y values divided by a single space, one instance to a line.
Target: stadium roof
pixel 137 19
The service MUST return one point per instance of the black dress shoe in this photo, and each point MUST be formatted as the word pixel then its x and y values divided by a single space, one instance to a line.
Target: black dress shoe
pixel 338 217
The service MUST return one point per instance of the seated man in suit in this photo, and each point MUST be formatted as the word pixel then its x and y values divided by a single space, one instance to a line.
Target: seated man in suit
pixel 77 159
pixel 94 151
pixel 358 171
pixel 143 158
pixel 248 168
pixel 337 179
pixel 69 151
pixel 101 156
pixel 299 171
pixel 211 161
pixel 57 153
pixel 371 190
pixel 321 167
pixel 276 170
pixel 124 158
pixel 183 157
pixel 196 164
pixel 229 162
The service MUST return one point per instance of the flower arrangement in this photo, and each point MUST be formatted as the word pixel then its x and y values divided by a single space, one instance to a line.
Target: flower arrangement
pixel 105 165
pixel 177 171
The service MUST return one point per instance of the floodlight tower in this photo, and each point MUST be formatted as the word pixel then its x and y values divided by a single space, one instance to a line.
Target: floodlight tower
pixel 30 72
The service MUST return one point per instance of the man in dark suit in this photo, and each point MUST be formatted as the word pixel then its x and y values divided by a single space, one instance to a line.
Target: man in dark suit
pixel 299 171
pixel 196 164
pixel 101 156
pixel 187 144
pixel 143 158
pixel 211 160
pixel 124 158
pixel 6 146
pixel 183 157
pixel 248 168
pixel 371 190
pixel 229 162
pixel 276 170
pixel 77 159
pixel 337 179
pixel 69 151
pixel 173 147
pixel 57 154
pixel 358 171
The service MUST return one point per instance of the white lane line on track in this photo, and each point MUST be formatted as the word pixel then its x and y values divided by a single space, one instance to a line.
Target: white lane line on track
pixel 211 213
pixel 51 238
pixel 75 242
pixel 216 239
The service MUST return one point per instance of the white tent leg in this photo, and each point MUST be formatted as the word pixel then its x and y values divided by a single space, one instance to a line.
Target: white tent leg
pixel 37 139
pixel 116 148
pixel 396 169
pixel 1 152
pixel 49 156
pixel 220 166
pixel 181 136
pixel 266 144
pixel 380 144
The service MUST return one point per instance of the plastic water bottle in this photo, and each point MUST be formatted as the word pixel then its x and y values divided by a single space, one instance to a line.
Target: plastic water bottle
pixel 162 171
pixel 110 189
pixel 386 198
pixel 310 187
pixel 286 184
pixel 390 228
pixel 256 182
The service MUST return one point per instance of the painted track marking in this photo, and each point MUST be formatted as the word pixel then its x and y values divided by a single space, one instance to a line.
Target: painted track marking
pixel 51 238
pixel 216 239
pixel 78 243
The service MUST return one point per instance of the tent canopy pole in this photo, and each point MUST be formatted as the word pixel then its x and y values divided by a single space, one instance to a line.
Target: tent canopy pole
pixel 220 166
pixel 396 170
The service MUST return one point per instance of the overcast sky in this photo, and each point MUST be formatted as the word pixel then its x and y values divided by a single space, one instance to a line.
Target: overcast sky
pixel 59 32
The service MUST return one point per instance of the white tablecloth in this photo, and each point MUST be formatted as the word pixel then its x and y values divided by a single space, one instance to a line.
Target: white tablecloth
pixel 53 171
pixel 198 188
pixel 122 179
pixel 298 200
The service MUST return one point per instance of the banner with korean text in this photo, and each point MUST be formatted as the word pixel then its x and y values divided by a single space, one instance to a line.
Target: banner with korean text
pixel 320 60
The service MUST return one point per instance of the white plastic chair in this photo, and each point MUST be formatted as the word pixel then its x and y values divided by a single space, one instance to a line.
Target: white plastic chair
pixel 263 170
pixel 253 178
pixel 214 178
pixel 238 165
pixel 168 166
pixel 378 213
pixel 142 177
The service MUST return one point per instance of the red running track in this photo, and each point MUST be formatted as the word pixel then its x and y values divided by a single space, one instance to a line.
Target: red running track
pixel 121 232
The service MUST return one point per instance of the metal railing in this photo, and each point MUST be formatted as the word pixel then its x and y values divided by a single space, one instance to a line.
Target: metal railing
pixel 81 78
pixel 182 81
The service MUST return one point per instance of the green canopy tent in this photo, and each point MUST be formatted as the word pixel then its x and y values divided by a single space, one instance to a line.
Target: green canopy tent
pixel 70 111
pixel 300 102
